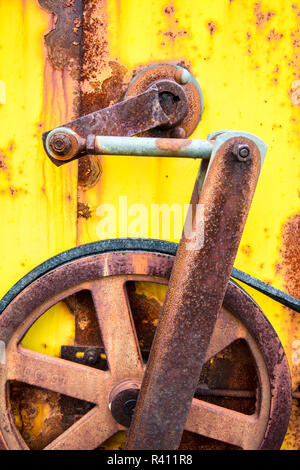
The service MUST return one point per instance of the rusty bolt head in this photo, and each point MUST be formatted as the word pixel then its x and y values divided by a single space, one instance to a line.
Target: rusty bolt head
pixel 60 143
pixel 242 152
pixel 91 356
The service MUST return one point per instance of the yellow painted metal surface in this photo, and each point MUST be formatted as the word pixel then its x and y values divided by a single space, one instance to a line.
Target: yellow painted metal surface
pixel 38 201
pixel 246 57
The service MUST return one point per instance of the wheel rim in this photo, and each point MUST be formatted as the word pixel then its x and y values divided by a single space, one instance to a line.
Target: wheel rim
pixel 104 275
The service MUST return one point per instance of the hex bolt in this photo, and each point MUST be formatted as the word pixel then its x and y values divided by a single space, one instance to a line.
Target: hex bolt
pixel 60 143
pixel 242 152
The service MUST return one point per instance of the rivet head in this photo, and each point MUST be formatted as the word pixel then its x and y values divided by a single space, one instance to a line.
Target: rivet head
pixel 182 76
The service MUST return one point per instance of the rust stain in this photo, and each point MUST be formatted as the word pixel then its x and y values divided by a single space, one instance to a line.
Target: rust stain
pixel 169 10
pixel 111 91
pixel 172 144
pixel 103 80
pixel 87 331
pixel 212 27
pixel 262 17
pixel 294 93
pixel 41 415
pixel 3 165
pixel 247 250
pixel 4 154
pixel 83 210
pixel 63 41
pixel 274 36
pixel 37 414
pixel 173 31
pixel 146 312
pixel 13 191
pixel 95 65
pixel 89 171
pixel 294 63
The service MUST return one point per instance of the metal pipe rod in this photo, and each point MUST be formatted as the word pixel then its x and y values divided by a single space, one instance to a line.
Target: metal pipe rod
pixel 153 147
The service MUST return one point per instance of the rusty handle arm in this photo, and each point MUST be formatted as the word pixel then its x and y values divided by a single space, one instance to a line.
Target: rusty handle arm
pixel 196 289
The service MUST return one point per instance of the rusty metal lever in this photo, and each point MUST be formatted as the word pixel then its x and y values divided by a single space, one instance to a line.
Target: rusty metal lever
pixel 195 293
pixel 129 117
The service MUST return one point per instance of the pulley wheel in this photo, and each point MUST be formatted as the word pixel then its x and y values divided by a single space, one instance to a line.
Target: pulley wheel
pixel 106 269
pixel 180 77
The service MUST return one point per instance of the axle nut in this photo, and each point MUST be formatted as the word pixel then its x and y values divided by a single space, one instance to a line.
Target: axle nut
pixel 60 143
pixel 242 152
pixel 122 401
pixel 64 144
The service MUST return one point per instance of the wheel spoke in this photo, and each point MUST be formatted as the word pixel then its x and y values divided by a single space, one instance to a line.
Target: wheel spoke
pixel 58 375
pixel 227 330
pixel 117 327
pixel 221 424
pixel 88 433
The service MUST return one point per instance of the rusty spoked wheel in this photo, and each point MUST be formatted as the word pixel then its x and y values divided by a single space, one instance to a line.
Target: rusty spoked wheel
pixel 104 268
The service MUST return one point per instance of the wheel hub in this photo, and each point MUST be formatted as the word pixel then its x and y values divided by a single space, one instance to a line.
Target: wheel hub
pixel 123 399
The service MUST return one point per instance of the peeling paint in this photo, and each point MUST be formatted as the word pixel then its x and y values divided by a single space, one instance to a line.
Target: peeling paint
pixel 63 41
pixel 173 31
pixel 83 210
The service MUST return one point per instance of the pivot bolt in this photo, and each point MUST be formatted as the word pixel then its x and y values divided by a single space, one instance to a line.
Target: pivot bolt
pixel 242 152
pixel 60 143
